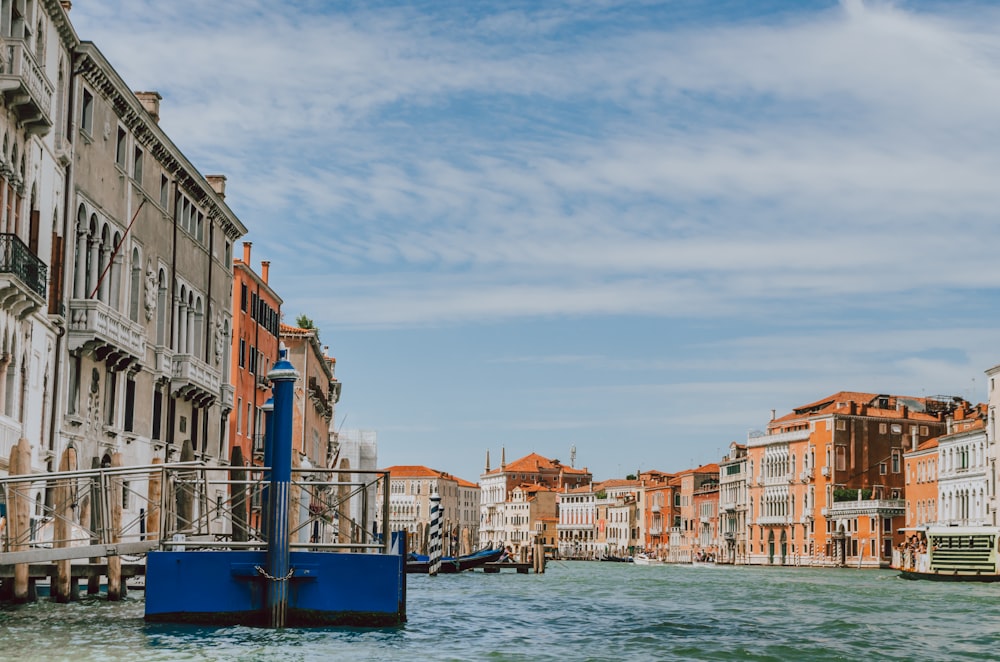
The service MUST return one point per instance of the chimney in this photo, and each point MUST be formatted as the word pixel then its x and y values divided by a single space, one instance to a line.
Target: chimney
pixel 218 183
pixel 773 412
pixel 246 252
pixel 265 266
pixel 150 101
pixel 913 438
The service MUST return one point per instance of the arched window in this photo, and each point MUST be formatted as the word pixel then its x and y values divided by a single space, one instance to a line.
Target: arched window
pixel 198 330
pixel 161 308
pixel 135 286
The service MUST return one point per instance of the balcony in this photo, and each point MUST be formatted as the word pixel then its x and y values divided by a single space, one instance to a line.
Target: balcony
pixel 877 507
pixel 111 336
pixel 22 277
pixel 825 471
pixel 25 87
pixel 806 476
pixel 774 519
pixel 194 380
pixel 756 439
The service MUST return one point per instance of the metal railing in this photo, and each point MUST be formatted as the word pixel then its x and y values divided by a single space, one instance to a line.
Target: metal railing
pixel 180 506
pixel 17 259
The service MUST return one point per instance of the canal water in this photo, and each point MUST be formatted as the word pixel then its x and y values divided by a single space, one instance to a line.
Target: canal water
pixel 576 610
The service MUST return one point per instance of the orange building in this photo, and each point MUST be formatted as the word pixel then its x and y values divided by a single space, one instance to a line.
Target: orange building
pixel 921 468
pixel 826 480
pixel 256 318
pixel 316 392
pixel 698 507
pixel 659 511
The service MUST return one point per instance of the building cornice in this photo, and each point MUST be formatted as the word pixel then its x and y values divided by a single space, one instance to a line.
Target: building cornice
pixel 98 72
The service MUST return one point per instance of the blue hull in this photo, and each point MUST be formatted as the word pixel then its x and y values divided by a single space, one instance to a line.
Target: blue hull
pixel 225 588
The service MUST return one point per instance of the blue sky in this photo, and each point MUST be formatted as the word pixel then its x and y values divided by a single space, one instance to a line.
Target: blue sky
pixel 630 227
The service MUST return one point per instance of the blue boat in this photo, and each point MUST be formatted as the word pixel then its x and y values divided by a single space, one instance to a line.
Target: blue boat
pixel 420 563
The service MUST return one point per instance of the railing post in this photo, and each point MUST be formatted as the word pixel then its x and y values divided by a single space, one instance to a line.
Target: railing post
pixel 386 533
pixel 283 376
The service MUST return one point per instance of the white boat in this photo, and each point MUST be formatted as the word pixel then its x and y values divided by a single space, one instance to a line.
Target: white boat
pixel 645 559
pixel 951 553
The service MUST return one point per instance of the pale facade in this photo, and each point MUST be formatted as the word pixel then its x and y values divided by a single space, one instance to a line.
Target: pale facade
pixel 963 478
pixel 733 505
pixel 577 515
pixel 410 490
pixel 35 62
pixel 148 283
pixel 992 447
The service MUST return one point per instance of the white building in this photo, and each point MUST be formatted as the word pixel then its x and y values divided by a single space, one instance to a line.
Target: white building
pixel 964 475
pixel 577 516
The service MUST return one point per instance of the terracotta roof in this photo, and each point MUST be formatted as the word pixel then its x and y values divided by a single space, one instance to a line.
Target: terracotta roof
pixel 925 446
pixel 535 463
pixel 420 471
pixel 917 407
pixel 289 330
pixel 619 482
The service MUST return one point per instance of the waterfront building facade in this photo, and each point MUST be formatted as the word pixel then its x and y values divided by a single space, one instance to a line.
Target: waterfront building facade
pixel 699 497
pixel 254 349
pixel 827 479
pixel 659 511
pixel 733 505
pixel 497 484
pixel 992 447
pixel 355 455
pixel 149 281
pixel 410 491
pixel 964 474
pixel 316 393
pixel 921 468
pixel 529 507
pixel 35 155
pixel 577 519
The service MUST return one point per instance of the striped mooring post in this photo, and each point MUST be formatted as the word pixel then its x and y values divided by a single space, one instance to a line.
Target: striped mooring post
pixel 283 376
pixel 434 549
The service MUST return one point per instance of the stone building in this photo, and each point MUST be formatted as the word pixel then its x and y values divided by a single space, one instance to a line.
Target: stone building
pixel 35 157
pixel 410 491
pixel 733 503
pixel 149 284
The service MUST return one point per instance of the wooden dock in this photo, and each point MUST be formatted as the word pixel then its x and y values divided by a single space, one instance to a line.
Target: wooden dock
pixel 493 568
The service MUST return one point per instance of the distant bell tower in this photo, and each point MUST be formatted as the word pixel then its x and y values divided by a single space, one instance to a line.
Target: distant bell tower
pixel 572 456
pixel 487 461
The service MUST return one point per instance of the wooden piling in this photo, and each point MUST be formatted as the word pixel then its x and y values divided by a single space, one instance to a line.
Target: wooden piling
pixel 154 493
pixel 116 590
pixel 20 515
pixel 91 513
pixel 538 558
pixel 238 495
pixel 63 589
pixel 185 492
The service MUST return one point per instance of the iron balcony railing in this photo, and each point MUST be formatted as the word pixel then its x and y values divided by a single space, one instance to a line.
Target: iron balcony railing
pixel 17 259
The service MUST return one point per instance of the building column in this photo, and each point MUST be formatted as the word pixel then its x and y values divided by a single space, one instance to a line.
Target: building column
pixel 104 275
pixel 80 282
pixel 93 249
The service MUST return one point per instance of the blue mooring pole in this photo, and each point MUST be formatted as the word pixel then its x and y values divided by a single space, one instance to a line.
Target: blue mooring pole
pixel 283 377
pixel 268 409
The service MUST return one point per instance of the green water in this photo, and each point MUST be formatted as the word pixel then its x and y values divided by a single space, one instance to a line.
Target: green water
pixel 575 611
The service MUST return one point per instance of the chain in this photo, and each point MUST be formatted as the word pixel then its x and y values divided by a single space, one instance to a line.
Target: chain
pixel 291 571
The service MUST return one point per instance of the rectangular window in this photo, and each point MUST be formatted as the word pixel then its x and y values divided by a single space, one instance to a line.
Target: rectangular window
pixel 218 505
pixel 120 148
pixel 243 297
pixel 157 412
pixel 841 424
pixel 129 403
pixel 125 491
pixel 243 351
pixel 895 462
pixel 239 416
pixel 137 165
pixel 882 468
pixel 841 458
pixel 194 428
pixel 87 113
pixel 882 428
pixel 164 191
pixel 109 397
